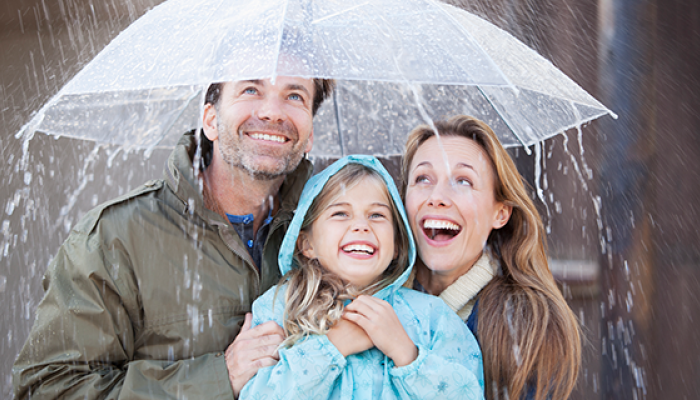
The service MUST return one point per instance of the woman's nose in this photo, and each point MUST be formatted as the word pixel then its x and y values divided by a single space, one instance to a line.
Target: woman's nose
pixel 439 197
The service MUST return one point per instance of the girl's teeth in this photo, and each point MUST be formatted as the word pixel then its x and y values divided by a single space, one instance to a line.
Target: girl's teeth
pixel 359 247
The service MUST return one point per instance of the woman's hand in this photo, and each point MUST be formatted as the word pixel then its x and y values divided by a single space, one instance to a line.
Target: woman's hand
pixel 380 322
pixel 349 338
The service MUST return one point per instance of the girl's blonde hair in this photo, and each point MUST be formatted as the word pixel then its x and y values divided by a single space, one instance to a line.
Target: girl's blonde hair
pixel 527 332
pixel 315 297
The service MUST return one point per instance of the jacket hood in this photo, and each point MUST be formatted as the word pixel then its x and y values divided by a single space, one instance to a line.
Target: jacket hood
pixel 313 188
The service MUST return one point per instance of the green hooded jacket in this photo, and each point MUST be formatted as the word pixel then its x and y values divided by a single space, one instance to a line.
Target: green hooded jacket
pixel 147 293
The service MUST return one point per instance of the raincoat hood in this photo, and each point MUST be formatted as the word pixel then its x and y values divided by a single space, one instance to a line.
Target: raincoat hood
pixel 313 188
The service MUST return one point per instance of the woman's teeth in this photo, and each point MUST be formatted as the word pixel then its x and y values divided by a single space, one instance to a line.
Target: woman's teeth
pixel 437 229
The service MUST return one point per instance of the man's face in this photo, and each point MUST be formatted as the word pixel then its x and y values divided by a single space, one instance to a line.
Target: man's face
pixel 263 128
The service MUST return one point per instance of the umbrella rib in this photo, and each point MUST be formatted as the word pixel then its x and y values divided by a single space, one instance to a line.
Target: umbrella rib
pixel 467 34
pixel 338 122
pixel 597 104
pixel 340 13
pixel 279 42
pixel 176 118
pixel 594 104
pixel 520 139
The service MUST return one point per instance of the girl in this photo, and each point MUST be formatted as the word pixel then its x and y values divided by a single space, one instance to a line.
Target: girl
pixel 352 330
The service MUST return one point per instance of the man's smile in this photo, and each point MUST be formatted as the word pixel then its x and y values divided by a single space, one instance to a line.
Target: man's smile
pixel 268 137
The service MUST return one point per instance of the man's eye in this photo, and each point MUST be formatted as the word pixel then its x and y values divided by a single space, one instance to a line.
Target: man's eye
pixel 250 91
pixel 295 97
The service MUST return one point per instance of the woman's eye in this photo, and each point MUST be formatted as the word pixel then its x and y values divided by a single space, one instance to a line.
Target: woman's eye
pixel 421 179
pixel 463 182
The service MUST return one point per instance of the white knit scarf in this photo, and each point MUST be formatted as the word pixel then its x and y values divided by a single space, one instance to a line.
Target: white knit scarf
pixel 461 295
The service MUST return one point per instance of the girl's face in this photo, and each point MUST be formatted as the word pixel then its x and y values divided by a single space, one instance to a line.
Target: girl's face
pixel 353 236
pixel 450 203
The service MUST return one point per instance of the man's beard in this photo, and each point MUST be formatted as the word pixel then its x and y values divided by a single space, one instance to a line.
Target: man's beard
pixel 237 156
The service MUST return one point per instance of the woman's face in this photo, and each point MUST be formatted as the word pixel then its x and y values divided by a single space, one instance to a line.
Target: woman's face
pixel 450 203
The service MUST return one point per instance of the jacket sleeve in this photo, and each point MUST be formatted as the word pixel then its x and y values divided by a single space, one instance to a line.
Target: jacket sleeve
pixel 307 370
pixel 82 344
pixel 449 363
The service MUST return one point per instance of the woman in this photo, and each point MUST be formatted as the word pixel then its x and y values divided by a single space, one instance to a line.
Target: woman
pixel 481 245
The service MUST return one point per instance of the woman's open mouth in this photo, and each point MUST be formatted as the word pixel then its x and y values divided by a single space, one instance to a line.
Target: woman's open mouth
pixel 440 230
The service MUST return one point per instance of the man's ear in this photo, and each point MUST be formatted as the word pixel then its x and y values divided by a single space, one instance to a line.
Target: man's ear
pixel 209 122
pixel 310 143
pixel 503 212
pixel 305 246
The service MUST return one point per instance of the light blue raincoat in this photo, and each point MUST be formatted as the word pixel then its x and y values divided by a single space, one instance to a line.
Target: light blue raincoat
pixel 449 360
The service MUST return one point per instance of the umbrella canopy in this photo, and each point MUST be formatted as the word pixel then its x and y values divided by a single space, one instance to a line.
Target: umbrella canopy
pixel 398 63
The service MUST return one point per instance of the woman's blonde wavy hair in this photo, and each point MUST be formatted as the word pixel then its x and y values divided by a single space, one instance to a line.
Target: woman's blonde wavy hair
pixel 528 334
pixel 315 297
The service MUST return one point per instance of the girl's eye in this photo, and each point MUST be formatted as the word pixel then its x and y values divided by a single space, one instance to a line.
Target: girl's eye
pixel 377 216
pixel 339 214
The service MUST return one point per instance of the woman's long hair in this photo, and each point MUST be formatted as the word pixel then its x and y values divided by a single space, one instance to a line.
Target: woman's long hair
pixel 527 332
pixel 315 297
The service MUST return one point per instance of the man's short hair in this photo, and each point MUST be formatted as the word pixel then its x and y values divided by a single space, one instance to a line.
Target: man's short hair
pixel 322 90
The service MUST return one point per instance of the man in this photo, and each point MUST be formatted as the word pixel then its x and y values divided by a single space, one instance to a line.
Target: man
pixel 149 291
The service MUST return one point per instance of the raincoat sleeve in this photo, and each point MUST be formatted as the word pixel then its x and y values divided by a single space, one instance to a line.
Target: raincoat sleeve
pixel 82 344
pixel 307 370
pixel 449 363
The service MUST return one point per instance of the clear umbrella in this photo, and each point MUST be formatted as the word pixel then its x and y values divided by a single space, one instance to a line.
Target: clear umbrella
pixel 398 63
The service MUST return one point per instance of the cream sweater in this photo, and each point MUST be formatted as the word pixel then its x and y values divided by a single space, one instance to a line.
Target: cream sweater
pixel 461 295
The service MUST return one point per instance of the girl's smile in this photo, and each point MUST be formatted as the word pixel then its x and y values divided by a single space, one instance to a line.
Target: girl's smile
pixel 354 236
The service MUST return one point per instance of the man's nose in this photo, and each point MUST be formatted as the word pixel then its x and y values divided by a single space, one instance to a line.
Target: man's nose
pixel 271 109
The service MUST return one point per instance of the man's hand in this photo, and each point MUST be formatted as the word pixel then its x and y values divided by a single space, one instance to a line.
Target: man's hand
pixel 251 350
pixel 349 338
pixel 379 320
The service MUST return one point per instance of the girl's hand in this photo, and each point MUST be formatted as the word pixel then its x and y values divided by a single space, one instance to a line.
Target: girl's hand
pixel 379 320
pixel 349 338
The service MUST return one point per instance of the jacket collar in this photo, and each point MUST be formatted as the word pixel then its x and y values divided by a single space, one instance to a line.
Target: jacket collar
pixel 183 179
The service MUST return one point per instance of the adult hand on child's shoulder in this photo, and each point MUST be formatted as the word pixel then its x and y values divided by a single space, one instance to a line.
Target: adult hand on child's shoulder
pixel 349 338
pixel 378 318
pixel 251 350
